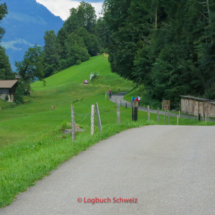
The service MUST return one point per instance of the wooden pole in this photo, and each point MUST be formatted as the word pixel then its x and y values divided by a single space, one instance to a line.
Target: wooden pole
pixel 98 118
pixel 165 117
pixel 177 119
pixel 179 114
pixel 135 111
pixel 92 119
pixel 168 118
pixel 126 105
pixel 118 112
pixel 73 122
pixel 148 112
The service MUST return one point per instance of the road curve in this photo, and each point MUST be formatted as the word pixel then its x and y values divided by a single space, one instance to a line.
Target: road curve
pixel 169 169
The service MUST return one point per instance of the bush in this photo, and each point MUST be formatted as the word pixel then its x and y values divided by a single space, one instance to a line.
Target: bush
pixel 6 98
pixel 78 62
pixel 20 91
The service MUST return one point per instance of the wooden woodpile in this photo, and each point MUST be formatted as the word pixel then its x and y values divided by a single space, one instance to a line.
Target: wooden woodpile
pixel 195 106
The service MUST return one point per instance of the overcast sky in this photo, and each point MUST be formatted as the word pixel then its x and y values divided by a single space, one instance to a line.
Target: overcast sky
pixel 61 7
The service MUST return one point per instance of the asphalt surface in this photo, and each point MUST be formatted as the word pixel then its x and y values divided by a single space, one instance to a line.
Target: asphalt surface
pixel 120 97
pixel 169 169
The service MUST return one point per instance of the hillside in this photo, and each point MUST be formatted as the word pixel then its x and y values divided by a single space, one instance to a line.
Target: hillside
pixel 25 25
pixel 61 90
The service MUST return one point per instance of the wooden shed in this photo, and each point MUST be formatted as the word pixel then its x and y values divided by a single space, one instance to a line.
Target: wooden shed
pixel 8 88
pixel 195 106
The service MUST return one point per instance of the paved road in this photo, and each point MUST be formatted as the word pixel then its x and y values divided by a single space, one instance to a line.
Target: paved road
pixel 169 169
pixel 120 96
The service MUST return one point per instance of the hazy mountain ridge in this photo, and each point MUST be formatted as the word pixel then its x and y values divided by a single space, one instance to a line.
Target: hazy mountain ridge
pixel 25 25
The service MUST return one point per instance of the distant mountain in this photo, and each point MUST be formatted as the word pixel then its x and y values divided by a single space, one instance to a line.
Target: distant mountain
pixel 25 25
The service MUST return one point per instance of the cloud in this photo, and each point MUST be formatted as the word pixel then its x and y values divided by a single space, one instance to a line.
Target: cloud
pixel 25 18
pixel 10 44
pixel 62 7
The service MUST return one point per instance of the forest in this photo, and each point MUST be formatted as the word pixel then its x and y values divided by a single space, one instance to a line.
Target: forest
pixel 167 46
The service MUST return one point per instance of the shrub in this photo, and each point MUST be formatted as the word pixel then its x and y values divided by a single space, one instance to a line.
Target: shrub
pixel 6 98
pixel 20 91
pixel 78 62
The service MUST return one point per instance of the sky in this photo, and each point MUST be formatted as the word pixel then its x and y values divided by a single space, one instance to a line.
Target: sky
pixel 61 7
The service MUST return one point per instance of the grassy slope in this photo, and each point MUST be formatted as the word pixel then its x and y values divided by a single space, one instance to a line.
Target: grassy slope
pixel 30 138
pixel 62 90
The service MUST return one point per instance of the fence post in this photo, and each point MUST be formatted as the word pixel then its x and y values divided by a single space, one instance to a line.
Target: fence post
pixel 73 122
pixel 177 119
pixel 148 113
pixel 158 116
pixel 118 112
pixel 165 116
pixel 92 119
pixel 98 117
pixel 168 118
pixel 179 114
pixel 134 111
pixel 126 105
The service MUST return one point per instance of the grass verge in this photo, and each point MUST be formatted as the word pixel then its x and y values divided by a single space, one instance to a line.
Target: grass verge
pixel 26 162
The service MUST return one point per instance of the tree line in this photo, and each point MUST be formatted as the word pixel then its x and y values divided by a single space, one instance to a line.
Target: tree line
pixel 169 46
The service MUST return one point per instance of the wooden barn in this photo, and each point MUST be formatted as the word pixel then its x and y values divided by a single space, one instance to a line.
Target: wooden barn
pixel 195 106
pixel 8 88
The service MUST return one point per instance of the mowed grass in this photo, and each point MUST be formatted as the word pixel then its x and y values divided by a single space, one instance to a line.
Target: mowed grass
pixel 31 140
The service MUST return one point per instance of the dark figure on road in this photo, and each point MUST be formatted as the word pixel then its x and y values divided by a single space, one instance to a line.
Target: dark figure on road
pixel 110 94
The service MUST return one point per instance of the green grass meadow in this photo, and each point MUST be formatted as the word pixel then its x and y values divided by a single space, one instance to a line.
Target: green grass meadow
pixel 31 139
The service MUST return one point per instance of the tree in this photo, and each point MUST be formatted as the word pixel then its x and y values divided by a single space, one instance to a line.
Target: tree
pixel 61 39
pixel 130 24
pixel 5 68
pixel 3 13
pixel 76 49
pixel 103 33
pixel 51 57
pixel 31 67
pixel 83 16
pixel 90 41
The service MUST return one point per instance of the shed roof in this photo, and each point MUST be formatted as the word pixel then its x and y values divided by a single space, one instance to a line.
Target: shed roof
pixel 7 83
pixel 198 99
